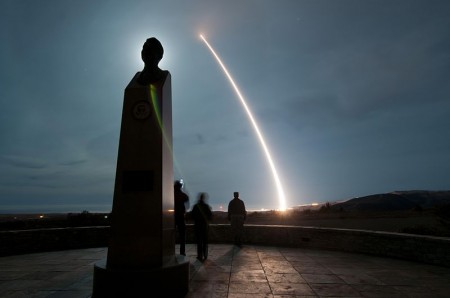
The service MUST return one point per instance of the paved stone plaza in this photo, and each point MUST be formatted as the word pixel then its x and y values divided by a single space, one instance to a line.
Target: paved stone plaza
pixel 250 271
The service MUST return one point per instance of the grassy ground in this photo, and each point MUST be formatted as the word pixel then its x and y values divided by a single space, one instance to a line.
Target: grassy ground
pixel 424 222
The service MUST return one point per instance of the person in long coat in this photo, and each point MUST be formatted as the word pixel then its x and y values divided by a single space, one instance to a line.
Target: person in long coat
pixel 201 214
pixel 237 214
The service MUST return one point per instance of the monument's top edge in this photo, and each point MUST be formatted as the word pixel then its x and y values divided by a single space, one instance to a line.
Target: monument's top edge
pixel 135 82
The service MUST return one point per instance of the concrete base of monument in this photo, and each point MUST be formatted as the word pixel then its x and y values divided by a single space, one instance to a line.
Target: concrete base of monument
pixel 169 280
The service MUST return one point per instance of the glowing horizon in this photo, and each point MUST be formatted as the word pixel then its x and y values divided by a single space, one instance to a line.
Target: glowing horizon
pixel 281 195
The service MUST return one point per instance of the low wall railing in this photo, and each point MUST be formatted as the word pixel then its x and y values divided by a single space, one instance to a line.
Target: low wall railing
pixel 425 249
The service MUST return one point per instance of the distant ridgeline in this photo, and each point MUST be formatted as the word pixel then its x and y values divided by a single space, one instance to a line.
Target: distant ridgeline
pixel 396 201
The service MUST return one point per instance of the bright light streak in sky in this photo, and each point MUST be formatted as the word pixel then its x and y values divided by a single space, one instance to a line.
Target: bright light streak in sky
pixel 281 196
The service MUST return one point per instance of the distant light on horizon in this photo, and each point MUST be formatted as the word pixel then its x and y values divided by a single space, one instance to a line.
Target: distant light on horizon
pixel 281 195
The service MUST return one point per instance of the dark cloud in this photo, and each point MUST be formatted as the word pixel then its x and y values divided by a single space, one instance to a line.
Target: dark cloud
pixel 73 162
pixel 24 162
pixel 200 140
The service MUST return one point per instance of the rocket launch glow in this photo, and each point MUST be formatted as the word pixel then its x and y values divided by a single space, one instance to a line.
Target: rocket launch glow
pixel 281 196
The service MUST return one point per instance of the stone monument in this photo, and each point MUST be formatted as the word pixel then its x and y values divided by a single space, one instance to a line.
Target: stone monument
pixel 141 258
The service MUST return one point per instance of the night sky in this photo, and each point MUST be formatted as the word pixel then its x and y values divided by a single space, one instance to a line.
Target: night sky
pixel 352 97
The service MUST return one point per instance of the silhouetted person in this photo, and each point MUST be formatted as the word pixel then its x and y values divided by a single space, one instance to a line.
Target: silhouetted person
pixel 237 215
pixel 201 214
pixel 181 204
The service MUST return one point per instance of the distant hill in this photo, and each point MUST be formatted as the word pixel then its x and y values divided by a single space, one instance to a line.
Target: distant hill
pixel 396 201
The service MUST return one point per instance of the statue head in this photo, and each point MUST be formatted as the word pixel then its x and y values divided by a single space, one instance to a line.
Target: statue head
pixel 152 52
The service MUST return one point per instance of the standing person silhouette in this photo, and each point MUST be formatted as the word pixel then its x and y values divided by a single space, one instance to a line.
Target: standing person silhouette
pixel 181 205
pixel 237 214
pixel 202 214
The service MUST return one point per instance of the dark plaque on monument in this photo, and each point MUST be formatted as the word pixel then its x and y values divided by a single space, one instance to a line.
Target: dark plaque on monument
pixel 141 258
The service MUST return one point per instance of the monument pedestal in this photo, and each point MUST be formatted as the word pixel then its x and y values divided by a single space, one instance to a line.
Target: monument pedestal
pixel 141 258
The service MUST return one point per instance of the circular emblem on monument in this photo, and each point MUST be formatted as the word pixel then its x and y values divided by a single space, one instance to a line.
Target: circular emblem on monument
pixel 141 110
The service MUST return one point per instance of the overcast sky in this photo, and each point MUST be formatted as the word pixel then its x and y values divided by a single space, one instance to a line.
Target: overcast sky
pixel 353 98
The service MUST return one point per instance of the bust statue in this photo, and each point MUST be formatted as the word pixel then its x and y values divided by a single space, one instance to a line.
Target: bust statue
pixel 152 52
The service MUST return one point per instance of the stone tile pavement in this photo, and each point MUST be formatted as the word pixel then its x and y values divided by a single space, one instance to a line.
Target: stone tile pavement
pixel 230 271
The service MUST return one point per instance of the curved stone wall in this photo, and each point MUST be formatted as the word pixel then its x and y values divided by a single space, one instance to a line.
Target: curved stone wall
pixel 426 249
pixel 38 240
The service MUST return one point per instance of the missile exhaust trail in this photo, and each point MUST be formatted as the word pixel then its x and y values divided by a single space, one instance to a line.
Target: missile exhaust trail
pixel 281 196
